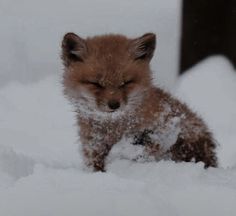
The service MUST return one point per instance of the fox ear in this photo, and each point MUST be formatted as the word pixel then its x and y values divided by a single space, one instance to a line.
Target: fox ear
pixel 142 48
pixel 73 48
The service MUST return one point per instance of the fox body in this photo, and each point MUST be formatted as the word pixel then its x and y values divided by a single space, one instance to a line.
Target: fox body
pixel 109 81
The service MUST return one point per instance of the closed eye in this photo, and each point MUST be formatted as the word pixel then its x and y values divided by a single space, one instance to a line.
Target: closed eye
pixel 96 84
pixel 126 83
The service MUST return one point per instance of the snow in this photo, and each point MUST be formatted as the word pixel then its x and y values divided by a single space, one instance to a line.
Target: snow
pixel 41 171
pixel 210 89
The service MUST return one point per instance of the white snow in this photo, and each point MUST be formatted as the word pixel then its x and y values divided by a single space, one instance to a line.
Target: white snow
pixel 41 171
pixel 210 89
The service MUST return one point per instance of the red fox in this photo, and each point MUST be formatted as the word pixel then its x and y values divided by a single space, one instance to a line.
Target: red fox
pixel 109 81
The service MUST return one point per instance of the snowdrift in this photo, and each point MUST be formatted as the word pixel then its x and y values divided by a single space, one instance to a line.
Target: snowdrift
pixel 41 171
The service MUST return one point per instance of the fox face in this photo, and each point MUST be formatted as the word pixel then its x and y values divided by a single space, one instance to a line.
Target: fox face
pixel 107 74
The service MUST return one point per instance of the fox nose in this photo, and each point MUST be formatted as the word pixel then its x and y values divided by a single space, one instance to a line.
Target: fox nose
pixel 113 104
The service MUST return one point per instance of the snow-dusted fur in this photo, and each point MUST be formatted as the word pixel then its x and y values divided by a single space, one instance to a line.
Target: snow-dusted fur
pixel 113 69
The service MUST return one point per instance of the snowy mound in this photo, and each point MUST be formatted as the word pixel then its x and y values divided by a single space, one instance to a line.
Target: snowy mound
pixel 41 170
pixel 210 88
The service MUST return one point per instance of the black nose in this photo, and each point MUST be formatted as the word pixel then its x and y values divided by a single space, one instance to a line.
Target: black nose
pixel 113 104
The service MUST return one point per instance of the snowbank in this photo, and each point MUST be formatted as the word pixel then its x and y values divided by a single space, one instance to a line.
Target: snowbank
pixel 41 171
pixel 210 88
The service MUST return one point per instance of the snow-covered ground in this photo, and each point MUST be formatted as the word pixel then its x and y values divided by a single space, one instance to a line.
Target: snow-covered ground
pixel 41 171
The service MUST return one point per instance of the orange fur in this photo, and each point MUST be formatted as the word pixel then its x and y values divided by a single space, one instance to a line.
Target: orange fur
pixel 109 81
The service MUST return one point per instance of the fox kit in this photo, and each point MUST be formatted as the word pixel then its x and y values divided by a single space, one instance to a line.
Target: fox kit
pixel 108 80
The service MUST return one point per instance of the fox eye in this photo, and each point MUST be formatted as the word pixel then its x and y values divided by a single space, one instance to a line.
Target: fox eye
pixel 96 84
pixel 126 83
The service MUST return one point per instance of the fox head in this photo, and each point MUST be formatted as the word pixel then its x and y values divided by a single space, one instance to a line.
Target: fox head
pixel 109 73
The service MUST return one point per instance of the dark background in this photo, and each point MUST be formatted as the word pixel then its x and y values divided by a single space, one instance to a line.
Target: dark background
pixel 208 28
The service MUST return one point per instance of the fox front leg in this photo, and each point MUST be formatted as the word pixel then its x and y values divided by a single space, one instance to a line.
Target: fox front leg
pixel 97 140
pixel 95 155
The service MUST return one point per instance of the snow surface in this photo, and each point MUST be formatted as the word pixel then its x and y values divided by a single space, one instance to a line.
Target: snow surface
pixel 210 89
pixel 41 172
